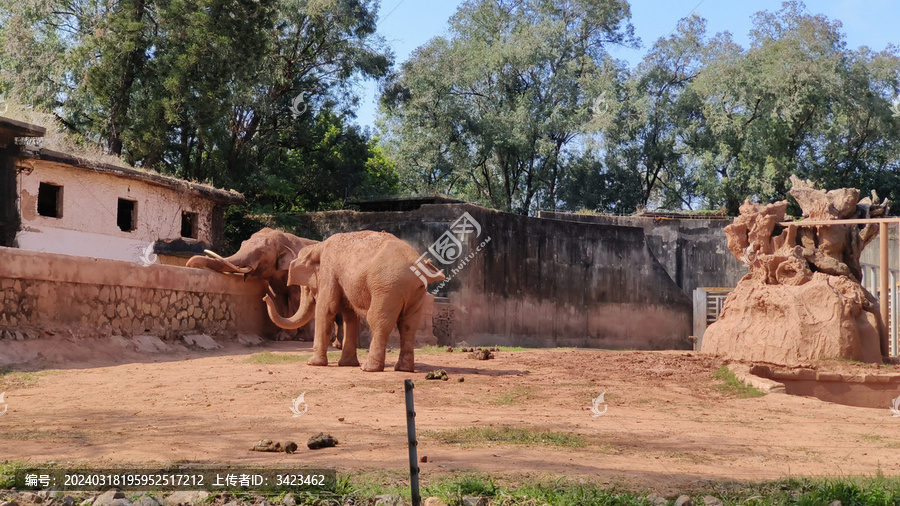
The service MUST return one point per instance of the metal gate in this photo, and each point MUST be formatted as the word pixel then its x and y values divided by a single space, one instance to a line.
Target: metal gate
pixel 870 274
pixel 708 303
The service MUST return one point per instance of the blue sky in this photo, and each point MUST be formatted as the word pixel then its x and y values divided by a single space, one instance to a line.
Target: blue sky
pixel 408 24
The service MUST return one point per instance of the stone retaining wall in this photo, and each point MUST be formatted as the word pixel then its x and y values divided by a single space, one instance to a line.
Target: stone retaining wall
pixel 43 292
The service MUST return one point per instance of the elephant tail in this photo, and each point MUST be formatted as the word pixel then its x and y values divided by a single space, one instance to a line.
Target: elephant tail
pixel 431 272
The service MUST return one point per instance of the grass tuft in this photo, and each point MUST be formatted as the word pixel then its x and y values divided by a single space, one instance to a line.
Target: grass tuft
pixel 734 386
pixel 473 436
pixel 267 357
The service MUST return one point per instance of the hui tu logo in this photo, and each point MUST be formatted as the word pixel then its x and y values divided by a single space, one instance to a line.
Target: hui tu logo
pixel 295 408
pixel 600 105
pixel 3 403
pixel 295 108
pixel 895 409
pixel 895 108
pixel 595 406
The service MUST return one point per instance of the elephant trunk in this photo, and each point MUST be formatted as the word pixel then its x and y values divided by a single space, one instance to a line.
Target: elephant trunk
pixel 304 313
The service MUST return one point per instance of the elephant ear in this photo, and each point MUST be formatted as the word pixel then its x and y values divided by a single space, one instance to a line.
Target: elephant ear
pixel 304 268
pixel 285 258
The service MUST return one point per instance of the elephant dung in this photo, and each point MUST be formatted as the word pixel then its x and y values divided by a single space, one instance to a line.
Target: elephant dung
pixel 321 440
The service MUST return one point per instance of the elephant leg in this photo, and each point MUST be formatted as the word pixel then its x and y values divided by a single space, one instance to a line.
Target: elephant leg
pixel 351 334
pixel 339 333
pixel 324 324
pixel 408 323
pixel 382 319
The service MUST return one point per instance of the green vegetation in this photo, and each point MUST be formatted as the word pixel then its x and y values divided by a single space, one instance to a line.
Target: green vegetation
pixel 475 436
pixel 270 358
pixel 267 357
pixel 361 488
pixel 10 377
pixel 520 107
pixel 517 395
pixel 734 386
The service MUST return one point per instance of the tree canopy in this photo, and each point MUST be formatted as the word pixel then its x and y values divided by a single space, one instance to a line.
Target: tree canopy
pixel 520 107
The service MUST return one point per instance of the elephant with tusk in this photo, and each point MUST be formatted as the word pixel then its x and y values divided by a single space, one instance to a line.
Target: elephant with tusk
pixel 267 254
pixel 360 274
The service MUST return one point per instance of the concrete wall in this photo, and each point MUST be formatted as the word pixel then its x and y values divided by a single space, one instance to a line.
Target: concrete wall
pixel 535 282
pixel 89 208
pixel 61 293
pixel 693 251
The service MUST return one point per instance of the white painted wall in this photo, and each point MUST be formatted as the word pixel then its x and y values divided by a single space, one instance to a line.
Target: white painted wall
pixel 88 224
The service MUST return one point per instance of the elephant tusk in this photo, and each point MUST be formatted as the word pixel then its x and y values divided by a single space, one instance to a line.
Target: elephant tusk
pixel 235 268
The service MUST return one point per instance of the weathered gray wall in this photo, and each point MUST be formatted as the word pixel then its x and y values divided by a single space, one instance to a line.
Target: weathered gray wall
pixel 537 282
pixel 693 251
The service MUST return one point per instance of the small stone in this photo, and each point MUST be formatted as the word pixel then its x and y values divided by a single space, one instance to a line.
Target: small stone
pixel 657 500
pixel 388 500
pixel 288 500
pixel 684 500
pixel 146 500
pixel 461 379
pixel 202 341
pixel 32 497
pixel 340 418
pixel 709 500
pixel 450 349
pixel 835 503
pixel 424 459
pixel 434 501
pixel 68 501
pixel 107 498
pixel 290 447
pixel 473 501
pixel 186 498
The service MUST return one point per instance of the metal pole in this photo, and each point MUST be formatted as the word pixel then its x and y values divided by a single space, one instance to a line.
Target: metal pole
pixel 884 274
pixel 411 434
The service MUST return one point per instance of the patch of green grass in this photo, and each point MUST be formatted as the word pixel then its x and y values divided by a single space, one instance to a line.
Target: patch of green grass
pixel 517 395
pixel 734 386
pixel 267 357
pixel 473 436
pixel 11 377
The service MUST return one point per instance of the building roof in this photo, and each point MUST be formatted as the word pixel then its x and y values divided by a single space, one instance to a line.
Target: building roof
pixel 10 129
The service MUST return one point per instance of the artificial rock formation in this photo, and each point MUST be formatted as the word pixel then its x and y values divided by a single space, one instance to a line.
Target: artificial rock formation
pixel 802 300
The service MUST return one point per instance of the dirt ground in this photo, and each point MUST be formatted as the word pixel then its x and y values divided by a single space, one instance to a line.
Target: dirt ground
pixel 666 425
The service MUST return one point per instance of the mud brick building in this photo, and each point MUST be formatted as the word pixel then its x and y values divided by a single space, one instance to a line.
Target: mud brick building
pixel 59 203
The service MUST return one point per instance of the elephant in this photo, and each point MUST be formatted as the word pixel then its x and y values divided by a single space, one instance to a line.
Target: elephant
pixel 360 274
pixel 267 254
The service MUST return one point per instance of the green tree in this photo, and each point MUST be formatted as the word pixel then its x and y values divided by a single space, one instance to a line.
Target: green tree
pixel 493 113
pixel 797 101
pixel 203 89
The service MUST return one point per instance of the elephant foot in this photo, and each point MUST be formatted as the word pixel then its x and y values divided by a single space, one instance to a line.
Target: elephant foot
pixel 370 366
pixel 405 362
pixel 405 365
pixel 317 361
pixel 351 361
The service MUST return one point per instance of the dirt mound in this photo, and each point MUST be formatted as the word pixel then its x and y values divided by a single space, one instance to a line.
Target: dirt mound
pixel 802 300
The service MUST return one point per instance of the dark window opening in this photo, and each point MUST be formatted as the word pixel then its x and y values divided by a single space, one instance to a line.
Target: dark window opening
pixel 49 200
pixel 189 224
pixel 126 217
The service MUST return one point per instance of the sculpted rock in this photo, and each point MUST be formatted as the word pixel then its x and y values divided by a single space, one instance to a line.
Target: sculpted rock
pixel 802 300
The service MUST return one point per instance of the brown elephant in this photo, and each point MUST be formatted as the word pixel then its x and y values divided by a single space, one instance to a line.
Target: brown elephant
pixel 267 254
pixel 370 274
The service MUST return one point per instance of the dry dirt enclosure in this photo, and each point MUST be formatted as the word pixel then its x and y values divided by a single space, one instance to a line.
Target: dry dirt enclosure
pixel 666 423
